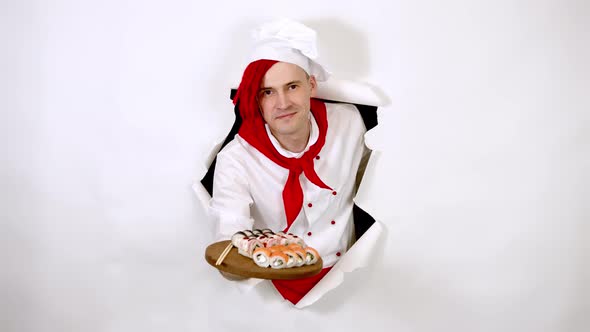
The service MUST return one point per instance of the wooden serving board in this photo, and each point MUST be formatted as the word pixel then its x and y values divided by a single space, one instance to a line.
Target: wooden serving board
pixel 241 265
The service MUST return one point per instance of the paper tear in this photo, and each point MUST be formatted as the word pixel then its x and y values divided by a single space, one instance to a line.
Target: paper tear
pixel 358 256
pixel 351 92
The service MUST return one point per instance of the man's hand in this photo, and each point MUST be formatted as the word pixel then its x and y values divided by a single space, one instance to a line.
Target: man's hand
pixel 232 277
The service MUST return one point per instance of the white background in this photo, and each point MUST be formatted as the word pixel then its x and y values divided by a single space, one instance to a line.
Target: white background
pixel 108 110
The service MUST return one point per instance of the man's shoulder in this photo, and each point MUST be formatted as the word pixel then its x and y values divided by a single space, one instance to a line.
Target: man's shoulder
pixel 237 149
pixel 232 149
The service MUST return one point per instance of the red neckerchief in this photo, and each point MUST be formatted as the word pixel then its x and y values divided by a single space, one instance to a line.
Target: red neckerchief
pixel 253 131
pixel 294 290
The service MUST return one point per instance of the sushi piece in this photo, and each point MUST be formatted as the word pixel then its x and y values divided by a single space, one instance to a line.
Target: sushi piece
pixel 248 233
pixel 298 241
pixel 261 257
pixel 278 260
pixel 236 238
pixel 273 240
pixel 277 248
pixel 242 245
pixel 311 256
pixel 267 231
pixel 253 244
pixel 248 245
pixel 263 239
pixel 284 241
pixel 291 257
pixel 300 256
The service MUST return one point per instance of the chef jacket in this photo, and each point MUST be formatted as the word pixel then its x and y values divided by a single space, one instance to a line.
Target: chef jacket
pixel 248 186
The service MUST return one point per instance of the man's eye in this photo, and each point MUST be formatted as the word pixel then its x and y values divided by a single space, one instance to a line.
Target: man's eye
pixel 267 92
pixel 293 87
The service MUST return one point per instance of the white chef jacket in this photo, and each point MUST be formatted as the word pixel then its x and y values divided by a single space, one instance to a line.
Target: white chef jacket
pixel 248 186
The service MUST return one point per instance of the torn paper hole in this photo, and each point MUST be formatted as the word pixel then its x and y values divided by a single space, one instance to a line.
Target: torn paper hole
pixel 367 229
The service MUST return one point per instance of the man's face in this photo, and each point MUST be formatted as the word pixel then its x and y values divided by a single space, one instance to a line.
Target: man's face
pixel 284 99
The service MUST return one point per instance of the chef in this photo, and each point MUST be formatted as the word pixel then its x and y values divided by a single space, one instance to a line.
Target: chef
pixel 294 163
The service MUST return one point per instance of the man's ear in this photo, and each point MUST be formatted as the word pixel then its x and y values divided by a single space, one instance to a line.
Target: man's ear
pixel 314 85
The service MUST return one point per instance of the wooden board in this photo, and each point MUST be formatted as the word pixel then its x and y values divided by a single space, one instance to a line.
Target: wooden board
pixel 241 265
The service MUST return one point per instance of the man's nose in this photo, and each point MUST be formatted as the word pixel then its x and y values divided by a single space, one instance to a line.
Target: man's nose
pixel 282 100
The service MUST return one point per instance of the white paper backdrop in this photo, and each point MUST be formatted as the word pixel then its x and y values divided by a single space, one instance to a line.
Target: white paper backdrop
pixel 109 108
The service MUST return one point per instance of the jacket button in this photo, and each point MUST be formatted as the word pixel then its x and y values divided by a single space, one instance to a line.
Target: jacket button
pixel 310 205
pixel 333 222
pixel 317 157
pixel 308 233
pixel 338 254
pixel 334 193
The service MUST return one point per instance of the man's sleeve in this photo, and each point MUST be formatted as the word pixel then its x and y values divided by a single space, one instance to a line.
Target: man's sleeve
pixel 230 205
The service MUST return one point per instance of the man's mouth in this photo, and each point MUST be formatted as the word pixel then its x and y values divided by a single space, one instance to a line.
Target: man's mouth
pixel 285 116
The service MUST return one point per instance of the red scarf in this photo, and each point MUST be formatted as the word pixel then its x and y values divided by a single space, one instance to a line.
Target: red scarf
pixel 295 290
pixel 254 132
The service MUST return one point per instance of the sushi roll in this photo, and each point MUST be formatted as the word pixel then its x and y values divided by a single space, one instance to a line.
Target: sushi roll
pixel 298 241
pixel 277 248
pixel 248 245
pixel 261 257
pixel 292 238
pixel 252 245
pixel 243 247
pixel 242 244
pixel 284 241
pixel 278 260
pixel 311 256
pixel 300 256
pixel 236 238
pixel 291 257
pixel 263 239
pixel 273 241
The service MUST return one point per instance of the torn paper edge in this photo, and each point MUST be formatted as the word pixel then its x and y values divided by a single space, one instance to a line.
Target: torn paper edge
pixel 351 92
pixel 360 254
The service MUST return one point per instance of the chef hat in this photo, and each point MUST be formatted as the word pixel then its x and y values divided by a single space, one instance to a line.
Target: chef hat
pixel 288 41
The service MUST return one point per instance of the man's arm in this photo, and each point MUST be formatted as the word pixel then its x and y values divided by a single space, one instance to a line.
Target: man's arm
pixel 230 204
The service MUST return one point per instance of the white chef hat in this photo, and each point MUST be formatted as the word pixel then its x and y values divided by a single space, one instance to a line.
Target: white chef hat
pixel 288 41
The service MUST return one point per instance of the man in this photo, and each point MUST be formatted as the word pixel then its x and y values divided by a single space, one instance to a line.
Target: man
pixel 294 163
